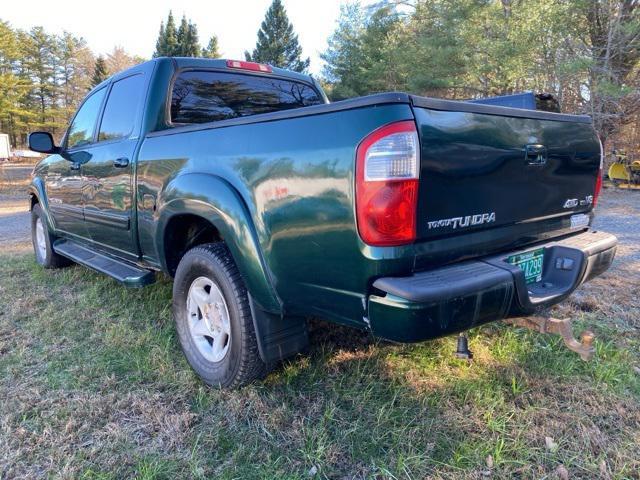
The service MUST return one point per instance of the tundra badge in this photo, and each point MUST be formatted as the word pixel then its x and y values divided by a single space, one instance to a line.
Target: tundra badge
pixel 462 222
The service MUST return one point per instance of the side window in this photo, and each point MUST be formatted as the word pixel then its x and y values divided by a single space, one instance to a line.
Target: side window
pixel 121 110
pixel 201 96
pixel 81 129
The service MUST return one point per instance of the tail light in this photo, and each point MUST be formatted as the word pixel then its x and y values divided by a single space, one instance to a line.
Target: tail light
pixel 387 163
pixel 596 192
pixel 253 66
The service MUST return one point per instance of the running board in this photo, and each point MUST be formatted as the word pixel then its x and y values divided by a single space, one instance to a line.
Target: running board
pixel 127 273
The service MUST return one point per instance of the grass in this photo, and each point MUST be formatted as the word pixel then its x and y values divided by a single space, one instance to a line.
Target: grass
pixel 93 385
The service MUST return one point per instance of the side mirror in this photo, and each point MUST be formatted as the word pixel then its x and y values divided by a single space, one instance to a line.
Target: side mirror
pixel 42 142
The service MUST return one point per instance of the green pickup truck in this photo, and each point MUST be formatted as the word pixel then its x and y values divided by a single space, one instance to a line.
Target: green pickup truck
pixel 409 217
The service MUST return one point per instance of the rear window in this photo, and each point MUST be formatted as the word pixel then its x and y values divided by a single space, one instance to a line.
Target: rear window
pixel 200 97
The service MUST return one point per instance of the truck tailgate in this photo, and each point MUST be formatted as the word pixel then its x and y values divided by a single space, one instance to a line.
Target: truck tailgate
pixel 486 168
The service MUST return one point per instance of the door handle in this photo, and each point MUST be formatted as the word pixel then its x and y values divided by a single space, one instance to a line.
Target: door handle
pixel 121 162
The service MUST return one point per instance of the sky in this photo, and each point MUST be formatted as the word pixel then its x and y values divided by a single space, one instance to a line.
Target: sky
pixel 134 24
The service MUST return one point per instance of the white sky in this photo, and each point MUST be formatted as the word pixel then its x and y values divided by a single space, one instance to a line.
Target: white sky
pixel 134 24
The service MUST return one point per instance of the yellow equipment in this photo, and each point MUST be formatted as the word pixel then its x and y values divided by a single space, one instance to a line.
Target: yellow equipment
pixel 618 171
pixel 623 172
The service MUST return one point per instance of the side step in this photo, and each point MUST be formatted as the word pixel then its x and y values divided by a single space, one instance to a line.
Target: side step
pixel 127 273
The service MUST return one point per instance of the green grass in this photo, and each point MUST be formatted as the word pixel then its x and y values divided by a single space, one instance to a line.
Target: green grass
pixel 93 385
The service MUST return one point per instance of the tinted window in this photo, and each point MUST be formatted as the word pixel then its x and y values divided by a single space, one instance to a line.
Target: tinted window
pixel 81 129
pixel 200 97
pixel 121 110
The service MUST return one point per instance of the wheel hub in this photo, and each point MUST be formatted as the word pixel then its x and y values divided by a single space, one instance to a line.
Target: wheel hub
pixel 41 243
pixel 208 319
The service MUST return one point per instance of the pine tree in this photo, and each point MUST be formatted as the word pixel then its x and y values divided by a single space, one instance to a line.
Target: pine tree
pixel 14 114
pixel 191 46
pixel 212 49
pixel 100 73
pixel 77 64
pixel 40 66
pixel 161 42
pixel 277 43
pixel 182 37
pixel 167 43
pixel 180 42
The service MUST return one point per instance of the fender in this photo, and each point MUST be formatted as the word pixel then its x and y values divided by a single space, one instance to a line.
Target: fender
pixel 214 199
pixel 36 189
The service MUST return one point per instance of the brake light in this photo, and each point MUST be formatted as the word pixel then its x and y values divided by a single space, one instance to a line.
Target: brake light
pixel 387 168
pixel 596 192
pixel 253 66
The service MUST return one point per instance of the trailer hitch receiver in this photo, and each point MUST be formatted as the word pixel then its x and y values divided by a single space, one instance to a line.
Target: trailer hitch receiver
pixel 584 347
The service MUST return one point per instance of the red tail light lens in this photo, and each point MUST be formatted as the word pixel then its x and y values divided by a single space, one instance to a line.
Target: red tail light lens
pixel 596 192
pixel 387 166
pixel 253 66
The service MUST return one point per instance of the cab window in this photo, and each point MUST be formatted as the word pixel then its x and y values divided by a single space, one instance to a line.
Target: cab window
pixel 122 108
pixel 81 129
pixel 208 96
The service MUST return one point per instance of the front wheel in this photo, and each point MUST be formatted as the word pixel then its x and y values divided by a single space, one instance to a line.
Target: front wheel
pixel 213 318
pixel 42 241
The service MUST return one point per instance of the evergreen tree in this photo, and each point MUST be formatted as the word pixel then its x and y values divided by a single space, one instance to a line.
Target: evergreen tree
pixel 99 72
pixel 180 42
pixel 77 64
pixel 212 50
pixel 277 43
pixel 191 46
pixel 167 43
pixel 40 67
pixel 13 114
pixel 161 42
pixel 182 36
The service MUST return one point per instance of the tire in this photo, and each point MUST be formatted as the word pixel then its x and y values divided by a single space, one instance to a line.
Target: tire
pixel 223 352
pixel 42 240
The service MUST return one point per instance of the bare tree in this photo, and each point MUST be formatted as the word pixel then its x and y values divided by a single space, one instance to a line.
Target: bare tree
pixel 612 41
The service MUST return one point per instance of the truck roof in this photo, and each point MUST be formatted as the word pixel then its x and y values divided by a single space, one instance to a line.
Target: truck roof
pixel 217 63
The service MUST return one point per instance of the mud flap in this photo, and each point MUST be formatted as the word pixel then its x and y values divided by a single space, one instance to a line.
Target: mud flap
pixel 278 337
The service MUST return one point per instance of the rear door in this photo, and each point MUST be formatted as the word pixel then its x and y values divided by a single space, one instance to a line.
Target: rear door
pixel 108 188
pixel 495 167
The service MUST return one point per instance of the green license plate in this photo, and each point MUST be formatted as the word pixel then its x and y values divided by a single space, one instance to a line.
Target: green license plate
pixel 530 263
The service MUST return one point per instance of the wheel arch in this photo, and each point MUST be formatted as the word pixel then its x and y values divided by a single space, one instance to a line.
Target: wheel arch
pixel 206 203
pixel 37 195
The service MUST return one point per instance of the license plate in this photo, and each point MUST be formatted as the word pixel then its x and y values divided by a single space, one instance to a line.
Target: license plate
pixel 530 263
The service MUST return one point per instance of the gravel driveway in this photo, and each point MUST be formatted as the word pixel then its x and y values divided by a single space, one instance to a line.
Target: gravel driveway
pixel 618 213
pixel 15 232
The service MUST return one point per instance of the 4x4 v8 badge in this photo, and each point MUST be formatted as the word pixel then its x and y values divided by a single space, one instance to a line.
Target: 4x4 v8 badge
pixel 574 202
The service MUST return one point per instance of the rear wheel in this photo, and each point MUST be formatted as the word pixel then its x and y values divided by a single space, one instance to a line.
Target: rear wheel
pixel 213 318
pixel 42 241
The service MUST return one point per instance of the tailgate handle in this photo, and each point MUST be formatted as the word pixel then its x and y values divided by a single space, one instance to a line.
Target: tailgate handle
pixel 535 154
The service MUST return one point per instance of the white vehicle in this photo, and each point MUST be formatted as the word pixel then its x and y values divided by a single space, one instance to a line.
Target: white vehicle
pixel 5 148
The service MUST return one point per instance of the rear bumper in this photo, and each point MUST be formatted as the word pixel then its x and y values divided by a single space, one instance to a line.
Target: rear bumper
pixel 461 296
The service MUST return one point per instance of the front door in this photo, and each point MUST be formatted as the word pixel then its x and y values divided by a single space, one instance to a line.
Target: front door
pixel 64 181
pixel 108 181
